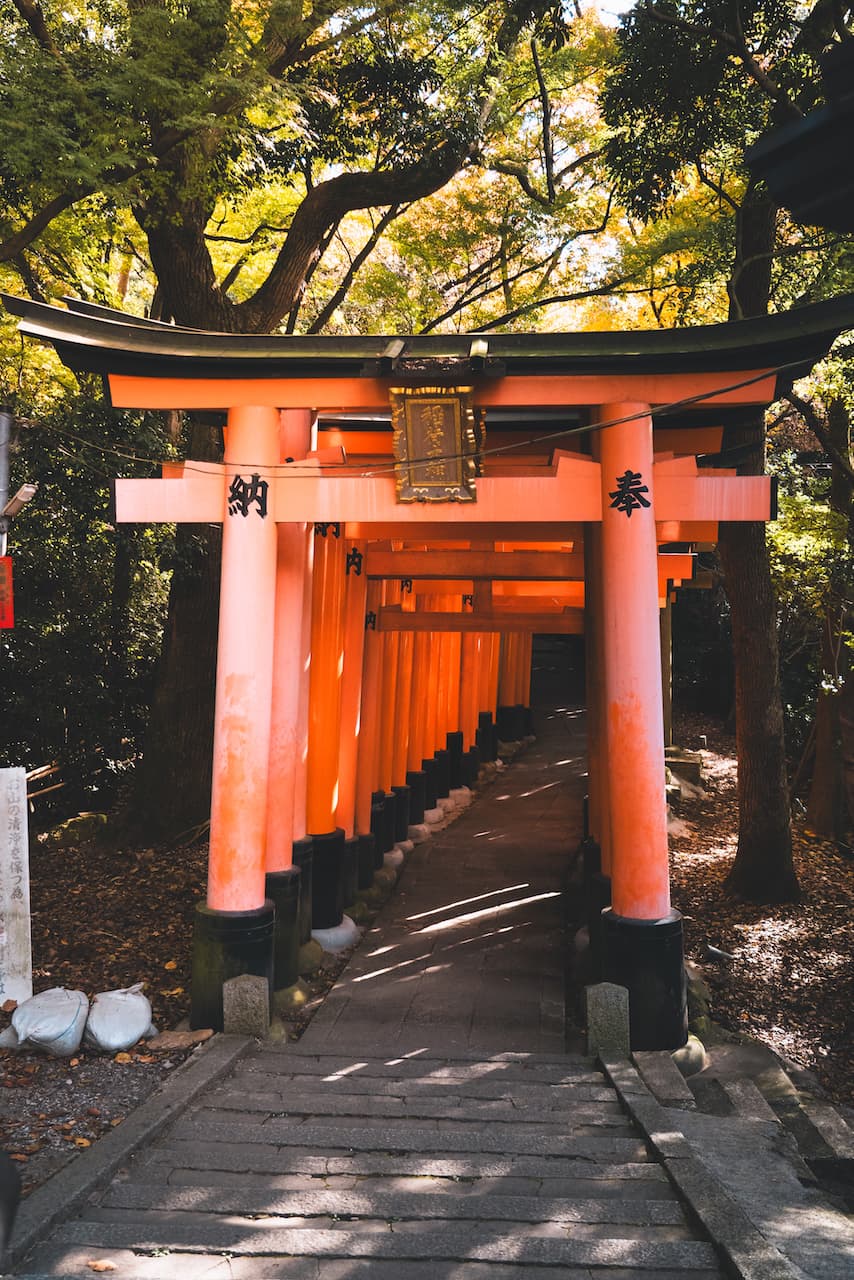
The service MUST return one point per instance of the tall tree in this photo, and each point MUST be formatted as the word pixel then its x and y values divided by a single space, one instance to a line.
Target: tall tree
pixel 177 112
pixel 694 82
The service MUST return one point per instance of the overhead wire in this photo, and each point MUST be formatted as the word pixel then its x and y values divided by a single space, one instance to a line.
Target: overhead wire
pixel 299 468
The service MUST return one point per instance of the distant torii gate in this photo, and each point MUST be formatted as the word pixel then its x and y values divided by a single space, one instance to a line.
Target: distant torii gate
pixel 267 493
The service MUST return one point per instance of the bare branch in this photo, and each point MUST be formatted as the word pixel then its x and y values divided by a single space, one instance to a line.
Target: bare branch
pixel 738 47
pixel 600 291
pixel 717 187
pixel 809 415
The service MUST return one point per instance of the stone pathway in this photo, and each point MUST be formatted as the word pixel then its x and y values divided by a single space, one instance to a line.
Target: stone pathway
pixel 430 1123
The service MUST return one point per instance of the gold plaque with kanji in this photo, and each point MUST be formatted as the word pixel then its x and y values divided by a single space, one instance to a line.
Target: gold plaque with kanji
pixel 437 443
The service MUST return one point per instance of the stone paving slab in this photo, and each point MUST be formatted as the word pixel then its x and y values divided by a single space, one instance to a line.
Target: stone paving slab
pixel 467 1165
pixel 549 1067
pixel 371 1203
pixel 132 1266
pixel 588 1088
pixel 284 1102
pixel 380 1184
pixel 469 1243
pixel 407 1138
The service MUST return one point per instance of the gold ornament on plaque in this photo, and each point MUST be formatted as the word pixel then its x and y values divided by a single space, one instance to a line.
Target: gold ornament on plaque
pixel 438 439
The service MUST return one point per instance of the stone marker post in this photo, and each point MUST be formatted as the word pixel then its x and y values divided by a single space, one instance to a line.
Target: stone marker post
pixel 16 958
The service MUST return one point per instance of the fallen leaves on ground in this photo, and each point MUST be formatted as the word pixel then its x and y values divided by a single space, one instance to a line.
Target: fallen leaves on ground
pixel 790 982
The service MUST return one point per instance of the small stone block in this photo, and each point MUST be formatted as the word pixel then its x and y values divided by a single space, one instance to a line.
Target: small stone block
pixel 419 832
pixel 664 1079
pixel 607 1020
pixel 246 1006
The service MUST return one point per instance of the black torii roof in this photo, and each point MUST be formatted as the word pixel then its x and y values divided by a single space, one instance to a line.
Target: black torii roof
pixel 90 338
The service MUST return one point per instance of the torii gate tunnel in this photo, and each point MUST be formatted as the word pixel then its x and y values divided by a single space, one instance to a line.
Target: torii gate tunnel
pixel 411 621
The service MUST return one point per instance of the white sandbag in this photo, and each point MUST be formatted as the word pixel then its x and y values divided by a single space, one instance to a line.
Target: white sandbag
pixel 9 1039
pixel 52 1020
pixel 118 1019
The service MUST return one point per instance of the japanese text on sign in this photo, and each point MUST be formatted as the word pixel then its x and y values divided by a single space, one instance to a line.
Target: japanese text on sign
pixel 629 493
pixel 244 494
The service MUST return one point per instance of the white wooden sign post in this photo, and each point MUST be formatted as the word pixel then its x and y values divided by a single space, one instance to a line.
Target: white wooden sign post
pixel 16 958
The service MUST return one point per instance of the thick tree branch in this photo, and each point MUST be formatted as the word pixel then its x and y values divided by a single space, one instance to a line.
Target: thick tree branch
pixel 326 204
pixel 327 310
pixel 21 239
pixel 545 103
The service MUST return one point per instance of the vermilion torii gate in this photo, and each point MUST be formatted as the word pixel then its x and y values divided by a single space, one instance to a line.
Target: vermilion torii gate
pixel 301 748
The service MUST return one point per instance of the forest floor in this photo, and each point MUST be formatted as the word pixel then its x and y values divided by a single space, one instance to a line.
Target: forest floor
pixel 105 918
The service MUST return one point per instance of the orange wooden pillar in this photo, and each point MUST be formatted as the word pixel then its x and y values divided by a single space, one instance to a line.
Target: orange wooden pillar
pixel 453 737
pixel 394 801
pixel 234 928
pixel 402 704
pixel 416 750
pixel 324 726
pixel 284 880
pixel 367 763
pixel 470 658
pixel 642 936
pixel 596 845
pixel 360 849
pixel 487 692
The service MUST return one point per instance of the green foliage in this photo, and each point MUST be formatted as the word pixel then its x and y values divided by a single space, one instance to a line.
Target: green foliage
pixel 89 599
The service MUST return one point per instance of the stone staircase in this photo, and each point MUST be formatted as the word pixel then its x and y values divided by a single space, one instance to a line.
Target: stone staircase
pixel 784 1156
pixel 307 1164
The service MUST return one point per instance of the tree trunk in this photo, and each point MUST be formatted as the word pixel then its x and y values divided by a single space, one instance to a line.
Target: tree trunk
pixel 763 870
pixel 834 754
pixel 173 781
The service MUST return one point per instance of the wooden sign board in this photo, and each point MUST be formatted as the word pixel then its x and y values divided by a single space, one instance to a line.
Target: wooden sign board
pixel 7 609
pixel 437 440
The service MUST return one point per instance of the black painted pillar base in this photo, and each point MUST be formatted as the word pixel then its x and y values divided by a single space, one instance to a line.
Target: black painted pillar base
pixel 303 856
pixel 504 723
pixel 327 906
pixel 377 826
pixel 646 956
pixel 454 743
pixel 431 794
pixel 389 821
pixel 367 860
pixel 227 944
pixel 519 721
pixel 597 896
pixel 471 767
pixel 528 720
pixel 350 872
pixel 416 780
pixel 402 817
pixel 283 890
pixel 443 773
pixel 585 817
pixel 487 736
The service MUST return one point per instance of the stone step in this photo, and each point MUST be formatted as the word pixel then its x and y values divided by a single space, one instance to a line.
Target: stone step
pixel 564 1112
pixel 664 1080
pixel 469 1242
pixel 403 1205
pixel 530 1184
pixel 587 1088
pixel 465 1166
pixel 70 1261
pixel 406 1137
pixel 748 1101
pixel 519 1068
